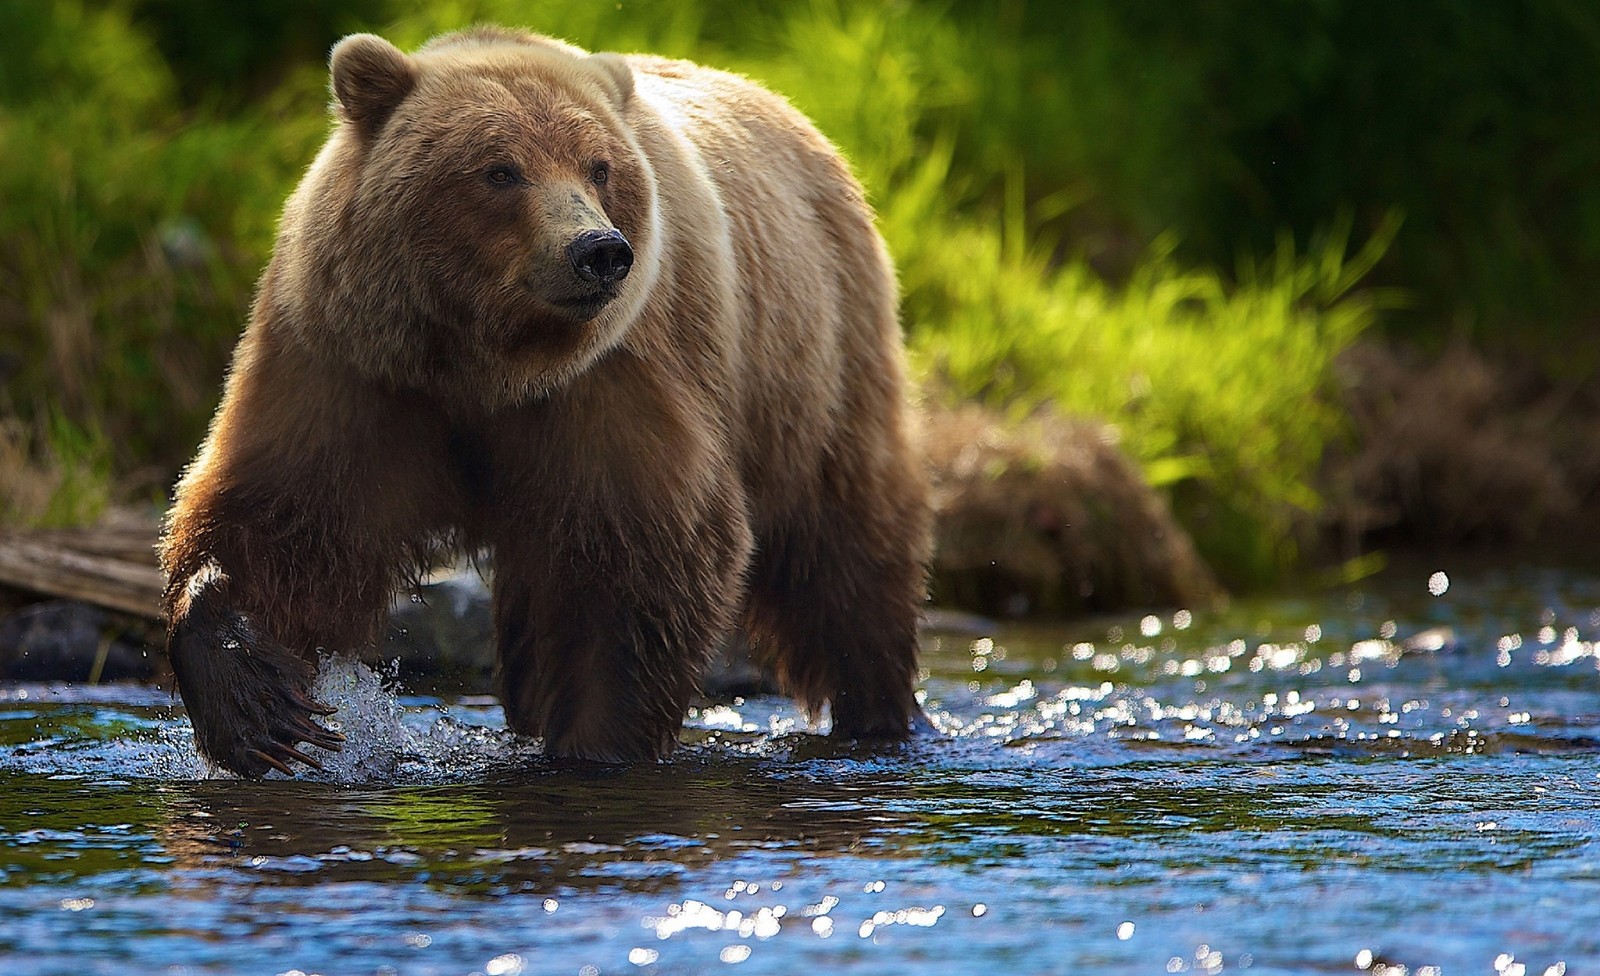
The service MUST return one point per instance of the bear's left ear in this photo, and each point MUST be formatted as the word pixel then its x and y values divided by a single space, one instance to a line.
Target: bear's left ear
pixel 615 75
pixel 370 78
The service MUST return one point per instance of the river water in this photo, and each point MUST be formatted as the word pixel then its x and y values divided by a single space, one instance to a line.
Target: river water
pixel 1396 777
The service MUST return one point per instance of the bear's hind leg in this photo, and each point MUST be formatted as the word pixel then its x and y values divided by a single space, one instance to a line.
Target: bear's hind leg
pixel 834 604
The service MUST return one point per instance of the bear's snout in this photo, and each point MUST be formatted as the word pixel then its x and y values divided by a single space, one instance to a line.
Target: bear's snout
pixel 601 257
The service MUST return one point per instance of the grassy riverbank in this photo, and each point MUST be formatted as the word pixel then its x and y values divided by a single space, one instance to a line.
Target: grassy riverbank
pixel 1041 199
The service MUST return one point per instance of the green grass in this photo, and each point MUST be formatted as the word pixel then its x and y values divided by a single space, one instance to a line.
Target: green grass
pixel 1222 391
pixel 148 212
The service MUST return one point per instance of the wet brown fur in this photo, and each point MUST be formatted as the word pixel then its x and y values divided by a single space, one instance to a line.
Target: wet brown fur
pixel 721 444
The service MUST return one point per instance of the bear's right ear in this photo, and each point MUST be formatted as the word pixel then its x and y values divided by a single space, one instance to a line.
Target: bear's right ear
pixel 370 78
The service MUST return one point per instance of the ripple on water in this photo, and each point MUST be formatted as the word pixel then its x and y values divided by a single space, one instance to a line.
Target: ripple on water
pixel 1286 785
pixel 393 738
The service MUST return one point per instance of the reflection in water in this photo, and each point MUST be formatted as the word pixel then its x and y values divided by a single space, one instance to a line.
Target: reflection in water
pixel 1378 782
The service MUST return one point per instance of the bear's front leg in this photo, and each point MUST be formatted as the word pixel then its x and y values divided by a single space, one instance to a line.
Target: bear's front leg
pixel 621 540
pixel 312 498
pixel 603 634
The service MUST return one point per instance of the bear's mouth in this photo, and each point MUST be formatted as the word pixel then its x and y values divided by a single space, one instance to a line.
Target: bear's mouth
pixel 586 305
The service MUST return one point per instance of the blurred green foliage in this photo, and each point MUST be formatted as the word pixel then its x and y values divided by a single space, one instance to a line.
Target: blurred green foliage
pixel 130 237
pixel 1231 122
pixel 1169 216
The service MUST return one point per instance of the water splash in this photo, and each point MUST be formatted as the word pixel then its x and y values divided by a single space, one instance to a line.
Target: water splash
pixel 388 739
pixel 369 714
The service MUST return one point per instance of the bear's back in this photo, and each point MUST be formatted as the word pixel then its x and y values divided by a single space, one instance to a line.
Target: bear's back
pixel 813 288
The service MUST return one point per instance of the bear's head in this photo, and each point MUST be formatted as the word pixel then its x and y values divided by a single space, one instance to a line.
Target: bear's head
pixel 481 224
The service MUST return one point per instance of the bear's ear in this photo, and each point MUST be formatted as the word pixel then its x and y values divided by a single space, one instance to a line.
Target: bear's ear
pixel 615 75
pixel 370 78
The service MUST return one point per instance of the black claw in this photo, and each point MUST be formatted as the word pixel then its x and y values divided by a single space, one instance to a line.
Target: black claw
pixel 272 761
pixel 294 753
pixel 262 696
pixel 322 742
pixel 311 704
pixel 304 730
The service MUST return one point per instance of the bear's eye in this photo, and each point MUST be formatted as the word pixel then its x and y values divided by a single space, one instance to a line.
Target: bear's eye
pixel 599 173
pixel 503 174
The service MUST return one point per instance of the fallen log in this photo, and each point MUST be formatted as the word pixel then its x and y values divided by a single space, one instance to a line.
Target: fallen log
pixel 112 565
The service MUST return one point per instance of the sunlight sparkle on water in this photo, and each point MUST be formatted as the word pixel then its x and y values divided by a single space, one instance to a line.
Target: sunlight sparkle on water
pixel 506 964
pixel 764 923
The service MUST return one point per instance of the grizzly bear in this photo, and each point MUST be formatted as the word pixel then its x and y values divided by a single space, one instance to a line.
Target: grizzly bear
pixel 624 322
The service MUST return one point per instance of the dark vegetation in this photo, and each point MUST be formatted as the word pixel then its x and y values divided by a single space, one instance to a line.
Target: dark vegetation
pixel 1175 220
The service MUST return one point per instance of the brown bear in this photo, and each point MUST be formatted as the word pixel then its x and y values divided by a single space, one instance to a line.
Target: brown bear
pixel 625 322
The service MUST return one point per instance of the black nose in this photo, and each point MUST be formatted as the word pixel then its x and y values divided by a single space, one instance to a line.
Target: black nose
pixel 600 256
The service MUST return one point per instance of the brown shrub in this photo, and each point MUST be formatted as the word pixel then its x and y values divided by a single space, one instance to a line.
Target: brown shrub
pixel 1047 516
